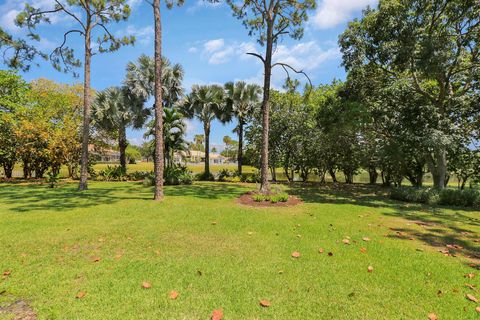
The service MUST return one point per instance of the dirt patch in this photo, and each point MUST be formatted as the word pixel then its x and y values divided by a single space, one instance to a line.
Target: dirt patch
pixel 20 310
pixel 246 199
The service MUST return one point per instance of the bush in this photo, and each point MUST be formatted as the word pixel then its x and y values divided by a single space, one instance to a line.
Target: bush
pixel 52 179
pixel 460 198
pixel 115 173
pixel 411 194
pixel 224 175
pixel 250 177
pixel 260 197
pixel 138 175
pixel 171 176
pixel 203 176
pixel 282 197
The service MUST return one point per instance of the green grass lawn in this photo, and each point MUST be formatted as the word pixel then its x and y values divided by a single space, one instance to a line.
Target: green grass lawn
pixel 50 239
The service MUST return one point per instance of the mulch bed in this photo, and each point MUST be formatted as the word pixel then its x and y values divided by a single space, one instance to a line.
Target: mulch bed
pixel 20 310
pixel 247 200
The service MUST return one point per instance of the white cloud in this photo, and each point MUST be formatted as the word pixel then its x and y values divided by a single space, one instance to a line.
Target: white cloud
pixel 213 45
pixel 305 56
pixel 331 13
pixel 143 35
pixel 217 52
pixel 192 49
pixel 200 4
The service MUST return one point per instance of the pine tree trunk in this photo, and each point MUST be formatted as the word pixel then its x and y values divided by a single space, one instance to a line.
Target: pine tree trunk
pixel 86 111
pixel 158 160
pixel 122 146
pixel 240 146
pixel 206 128
pixel 264 187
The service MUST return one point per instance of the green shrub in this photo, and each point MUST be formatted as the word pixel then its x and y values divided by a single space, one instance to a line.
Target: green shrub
pixel 52 179
pixel 282 197
pixel 138 175
pixel 203 176
pixel 411 194
pixel 175 175
pixel 260 197
pixel 250 177
pixel 115 173
pixel 460 198
pixel 224 175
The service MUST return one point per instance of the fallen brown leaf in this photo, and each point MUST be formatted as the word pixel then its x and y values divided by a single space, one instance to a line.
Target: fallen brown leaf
pixel 330 254
pixel 320 250
pixel 214 222
pixel 265 303
pixel 295 254
pixel 217 315
pixel 96 259
pixel 471 286
pixel 146 285
pixel 6 273
pixel 477 309
pixel 363 250
pixel 470 275
pixel 439 293
pixel 80 294
pixel 346 241
pixel 173 295
pixel 370 269
pixel 366 239
pixel 471 297
pixel 432 316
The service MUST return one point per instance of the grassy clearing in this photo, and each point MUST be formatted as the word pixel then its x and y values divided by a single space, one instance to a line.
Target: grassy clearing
pixel 51 237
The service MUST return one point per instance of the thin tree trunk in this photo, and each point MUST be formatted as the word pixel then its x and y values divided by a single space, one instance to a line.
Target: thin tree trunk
pixel 206 128
pixel 240 146
pixel 159 162
pixel 8 168
pixel 122 146
pixel 264 187
pixel 86 109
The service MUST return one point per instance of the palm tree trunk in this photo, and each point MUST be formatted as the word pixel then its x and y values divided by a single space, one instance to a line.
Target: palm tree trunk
pixel 264 187
pixel 240 146
pixel 122 146
pixel 86 110
pixel 206 128
pixel 159 164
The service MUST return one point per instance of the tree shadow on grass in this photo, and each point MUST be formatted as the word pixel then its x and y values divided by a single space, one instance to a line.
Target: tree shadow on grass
pixel 454 231
pixel 37 197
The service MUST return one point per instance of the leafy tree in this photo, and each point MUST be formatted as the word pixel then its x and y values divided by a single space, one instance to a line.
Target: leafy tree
pixel 13 96
pixel 133 154
pixel 142 79
pixel 230 146
pixel 243 98
pixel 89 16
pixel 434 48
pixel 270 21
pixel 198 141
pixel 115 109
pixel 206 103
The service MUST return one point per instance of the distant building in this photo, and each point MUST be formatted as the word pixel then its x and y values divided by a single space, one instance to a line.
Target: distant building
pixel 194 156
pixel 104 154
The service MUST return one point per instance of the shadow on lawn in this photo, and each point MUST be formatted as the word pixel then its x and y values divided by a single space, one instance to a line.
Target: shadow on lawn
pixel 437 226
pixel 35 197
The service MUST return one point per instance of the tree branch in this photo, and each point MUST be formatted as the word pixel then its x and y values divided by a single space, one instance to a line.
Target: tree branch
pixel 258 56
pixel 285 66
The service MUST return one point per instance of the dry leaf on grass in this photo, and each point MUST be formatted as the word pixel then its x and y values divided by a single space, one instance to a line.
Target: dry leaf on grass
pixel 265 303
pixel 363 250
pixel 146 285
pixel 432 316
pixel 346 241
pixel 295 254
pixel 471 286
pixel 6 273
pixel 370 269
pixel 320 250
pixel 217 315
pixel 330 254
pixel 366 239
pixel 80 294
pixel 470 275
pixel 96 259
pixel 477 309
pixel 173 295
pixel 471 297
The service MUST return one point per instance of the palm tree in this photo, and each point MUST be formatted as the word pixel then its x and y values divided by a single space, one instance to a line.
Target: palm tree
pixel 143 79
pixel 242 100
pixel 116 108
pixel 205 102
pixel 174 129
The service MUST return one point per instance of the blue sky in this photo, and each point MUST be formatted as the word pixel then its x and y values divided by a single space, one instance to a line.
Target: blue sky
pixel 206 40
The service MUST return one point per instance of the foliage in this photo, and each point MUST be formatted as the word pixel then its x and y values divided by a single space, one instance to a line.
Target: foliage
pixel 112 173
pixel 52 179
pixel 460 198
pixel 411 194
pixel 175 175
pixel 204 176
